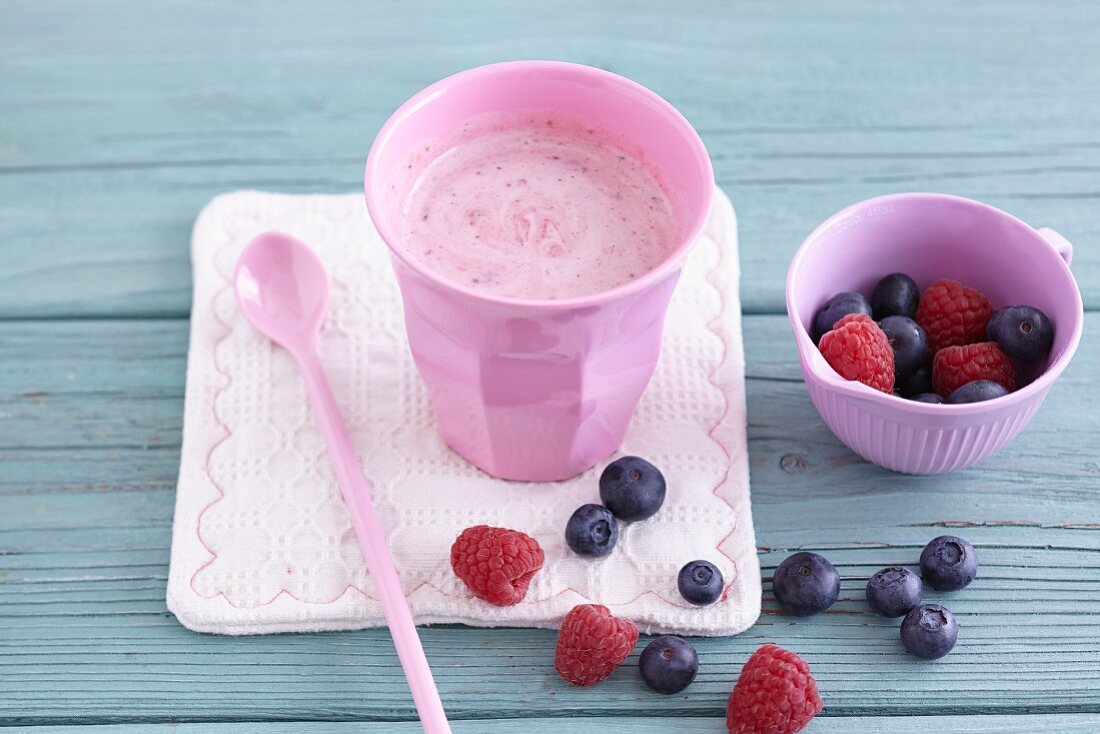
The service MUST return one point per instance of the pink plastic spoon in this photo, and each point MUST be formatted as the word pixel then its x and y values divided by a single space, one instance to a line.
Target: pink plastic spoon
pixel 282 290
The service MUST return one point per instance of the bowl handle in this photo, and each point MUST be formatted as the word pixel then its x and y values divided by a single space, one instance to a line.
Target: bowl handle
pixel 1060 244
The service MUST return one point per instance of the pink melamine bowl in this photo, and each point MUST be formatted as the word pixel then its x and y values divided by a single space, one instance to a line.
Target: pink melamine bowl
pixel 930 236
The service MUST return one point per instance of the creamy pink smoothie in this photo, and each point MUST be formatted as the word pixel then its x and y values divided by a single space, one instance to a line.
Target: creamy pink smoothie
pixel 535 207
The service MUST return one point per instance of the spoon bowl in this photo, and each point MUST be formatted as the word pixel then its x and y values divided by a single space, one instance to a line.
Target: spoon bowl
pixel 282 289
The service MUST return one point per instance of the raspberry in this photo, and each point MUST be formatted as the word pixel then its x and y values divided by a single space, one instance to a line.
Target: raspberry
pixel 496 564
pixel 591 644
pixel 952 314
pixel 859 350
pixel 953 367
pixel 853 318
pixel 775 694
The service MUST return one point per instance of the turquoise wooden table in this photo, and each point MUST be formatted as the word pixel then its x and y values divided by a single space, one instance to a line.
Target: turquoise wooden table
pixel 119 120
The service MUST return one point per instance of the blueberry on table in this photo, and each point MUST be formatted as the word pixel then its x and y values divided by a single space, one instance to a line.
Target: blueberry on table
pixel 700 583
pixel 632 488
pixel 669 664
pixel 927 397
pixel 929 631
pixel 894 591
pixel 895 295
pixel 837 308
pixel 591 531
pixel 1024 332
pixel 806 584
pixel 917 383
pixel 948 563
pixel 976 392
pixel 909 342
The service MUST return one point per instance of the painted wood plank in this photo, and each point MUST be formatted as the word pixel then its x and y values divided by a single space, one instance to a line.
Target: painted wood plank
pixel 90 414
pixel 1026 724
pixel 123 118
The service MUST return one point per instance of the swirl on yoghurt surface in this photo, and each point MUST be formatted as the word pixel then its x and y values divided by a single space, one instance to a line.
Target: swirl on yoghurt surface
pixel 535 207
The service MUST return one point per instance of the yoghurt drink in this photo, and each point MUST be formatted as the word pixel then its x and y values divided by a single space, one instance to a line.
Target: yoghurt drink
pixel 535 207
pixel 538 214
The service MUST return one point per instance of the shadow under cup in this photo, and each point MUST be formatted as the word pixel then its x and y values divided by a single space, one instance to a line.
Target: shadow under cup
pixel 537 390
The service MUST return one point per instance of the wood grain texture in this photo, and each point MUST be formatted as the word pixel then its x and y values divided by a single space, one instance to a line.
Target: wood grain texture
pixel 132 114
pixel 85 512
pixel 1026 724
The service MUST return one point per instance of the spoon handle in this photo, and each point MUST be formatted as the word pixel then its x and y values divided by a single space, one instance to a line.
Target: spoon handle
pixel 376 552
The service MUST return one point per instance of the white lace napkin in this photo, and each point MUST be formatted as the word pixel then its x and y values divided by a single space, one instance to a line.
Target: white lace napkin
pixel 261 541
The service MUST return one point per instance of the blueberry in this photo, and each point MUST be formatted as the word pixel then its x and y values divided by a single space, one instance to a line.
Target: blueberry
pixel 976 392
pixel 837 308
pixel 909 342
pixel 668 664
pixel 948 563
pixel 700 582
pixel 927 397
pixel 632 488
pixel 592 531
pixel 806 584
pixel 917 383
pixel 894 591
pixel 929 631
pixel 895 295
pixel 1023 332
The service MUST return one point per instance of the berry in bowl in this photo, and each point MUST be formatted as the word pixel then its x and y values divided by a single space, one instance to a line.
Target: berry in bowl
pixel 931 327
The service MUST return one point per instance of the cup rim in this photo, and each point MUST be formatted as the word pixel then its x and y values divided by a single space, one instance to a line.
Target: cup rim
pixel 1032 391
pixel 657 274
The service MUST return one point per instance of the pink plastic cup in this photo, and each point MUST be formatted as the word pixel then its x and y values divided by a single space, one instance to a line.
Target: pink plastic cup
pixel 538 390
pixel 931 236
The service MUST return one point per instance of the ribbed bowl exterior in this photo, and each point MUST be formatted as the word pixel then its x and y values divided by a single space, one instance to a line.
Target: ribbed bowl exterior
pixel 917 447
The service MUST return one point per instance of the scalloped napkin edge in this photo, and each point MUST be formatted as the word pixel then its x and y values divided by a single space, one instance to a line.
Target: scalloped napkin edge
pixel 260 541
